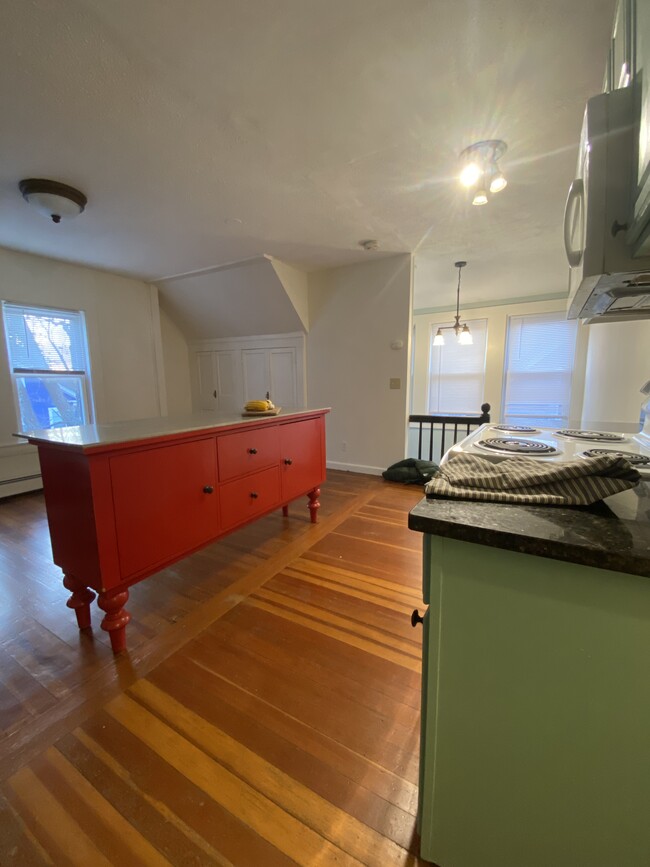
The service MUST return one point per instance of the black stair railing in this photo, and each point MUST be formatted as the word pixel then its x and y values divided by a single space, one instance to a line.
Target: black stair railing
pixel 452 428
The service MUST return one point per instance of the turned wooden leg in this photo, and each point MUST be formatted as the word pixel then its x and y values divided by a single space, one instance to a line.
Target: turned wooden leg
pixel 285 511
pixel 115 618
pixel 80 600
pixel 314 504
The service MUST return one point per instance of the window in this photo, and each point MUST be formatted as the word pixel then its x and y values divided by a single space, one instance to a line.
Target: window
pixel 48 361
pixel 539 365
pixel 457 372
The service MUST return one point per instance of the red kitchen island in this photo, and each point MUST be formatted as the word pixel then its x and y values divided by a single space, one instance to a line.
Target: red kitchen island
pixel 125 500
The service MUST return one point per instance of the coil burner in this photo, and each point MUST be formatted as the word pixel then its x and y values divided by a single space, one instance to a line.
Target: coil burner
pixel 511 446
pixel 635 459
pixel 593 435
pixel 515 428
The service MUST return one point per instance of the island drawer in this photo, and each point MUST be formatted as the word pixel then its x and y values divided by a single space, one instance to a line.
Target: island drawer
pixel 243 499
pixel 247 451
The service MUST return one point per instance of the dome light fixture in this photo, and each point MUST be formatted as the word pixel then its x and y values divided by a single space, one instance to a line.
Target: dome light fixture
pixel 462 332
pixel 480 172
pixel 53 199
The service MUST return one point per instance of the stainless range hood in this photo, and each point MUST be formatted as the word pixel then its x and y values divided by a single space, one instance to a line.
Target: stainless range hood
pixel 612 298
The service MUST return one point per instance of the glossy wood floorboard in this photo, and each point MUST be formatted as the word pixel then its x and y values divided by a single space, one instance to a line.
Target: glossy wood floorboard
pixel 267 712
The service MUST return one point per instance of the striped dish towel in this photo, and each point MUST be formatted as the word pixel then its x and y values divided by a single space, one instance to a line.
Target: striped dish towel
pixel 525 480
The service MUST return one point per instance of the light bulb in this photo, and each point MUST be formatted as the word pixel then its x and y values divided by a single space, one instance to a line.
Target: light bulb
pixel 470 174
pixel 498 183
pixel 439 340
pixel 480 197
pixel 465 336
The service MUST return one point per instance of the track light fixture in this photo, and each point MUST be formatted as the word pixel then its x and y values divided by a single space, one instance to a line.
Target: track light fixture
pixel 480 171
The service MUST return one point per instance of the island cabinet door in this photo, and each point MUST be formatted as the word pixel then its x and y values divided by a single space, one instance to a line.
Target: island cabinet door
pixel 165 503
pixel 302 457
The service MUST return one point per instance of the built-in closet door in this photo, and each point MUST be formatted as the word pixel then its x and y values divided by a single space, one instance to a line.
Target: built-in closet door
pixel 282 376
pixel 271 370
pixel 255 370
pixel 219 380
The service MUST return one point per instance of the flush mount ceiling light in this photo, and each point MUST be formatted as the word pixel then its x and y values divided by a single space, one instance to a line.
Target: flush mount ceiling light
pixel 462 332
pixel 480 171
pixel 55 200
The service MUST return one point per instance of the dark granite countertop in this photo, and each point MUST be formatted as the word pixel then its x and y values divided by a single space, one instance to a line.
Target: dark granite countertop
pixel 613 534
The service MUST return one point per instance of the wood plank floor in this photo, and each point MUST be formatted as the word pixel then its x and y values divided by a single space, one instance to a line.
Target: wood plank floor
pixel 267 712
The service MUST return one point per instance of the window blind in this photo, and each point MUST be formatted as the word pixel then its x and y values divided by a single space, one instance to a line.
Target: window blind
pixel 540 350
pixel 457 371
pixel 40 339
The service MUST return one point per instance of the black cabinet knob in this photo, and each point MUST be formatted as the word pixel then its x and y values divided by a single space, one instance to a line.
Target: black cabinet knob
pixel 208 489
pixel 252 451
pixel 415 618
pixel 254 495
pixel 288 461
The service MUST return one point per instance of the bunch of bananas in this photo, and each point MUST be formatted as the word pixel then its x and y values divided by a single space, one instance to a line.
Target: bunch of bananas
pixel 259 406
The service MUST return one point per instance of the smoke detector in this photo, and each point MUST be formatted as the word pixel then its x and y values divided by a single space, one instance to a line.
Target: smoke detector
pixel 369 245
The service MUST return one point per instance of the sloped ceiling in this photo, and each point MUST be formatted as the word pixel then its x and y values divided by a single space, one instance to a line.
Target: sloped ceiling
pixel 208 132
pixel 238 301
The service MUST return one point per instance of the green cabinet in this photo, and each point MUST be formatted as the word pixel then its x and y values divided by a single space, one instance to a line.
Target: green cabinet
pixel 536 711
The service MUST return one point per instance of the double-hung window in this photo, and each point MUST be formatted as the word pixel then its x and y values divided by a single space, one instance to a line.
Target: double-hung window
pixel 540 351
pixel 48 362
pixel 457 371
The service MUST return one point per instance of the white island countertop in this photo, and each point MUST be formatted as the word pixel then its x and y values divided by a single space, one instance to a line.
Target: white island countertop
pixel 94 436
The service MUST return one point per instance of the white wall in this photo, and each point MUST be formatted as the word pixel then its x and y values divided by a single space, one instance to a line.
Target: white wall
pixel 497 320
pixel 618 364
pixel 355 312
pixel 176 359
pixel 296 285
pixel 123 326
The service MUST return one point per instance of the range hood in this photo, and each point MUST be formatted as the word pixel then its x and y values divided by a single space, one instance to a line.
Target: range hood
pixel 606 284
pixel 617 297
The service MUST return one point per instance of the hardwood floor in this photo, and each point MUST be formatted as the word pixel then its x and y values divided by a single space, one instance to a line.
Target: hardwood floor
pixel 267 712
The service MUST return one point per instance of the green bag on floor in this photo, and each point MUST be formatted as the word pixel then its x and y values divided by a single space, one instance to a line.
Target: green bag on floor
pixel 411 471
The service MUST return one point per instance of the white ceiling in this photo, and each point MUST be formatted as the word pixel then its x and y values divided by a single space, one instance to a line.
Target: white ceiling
pixel 207 132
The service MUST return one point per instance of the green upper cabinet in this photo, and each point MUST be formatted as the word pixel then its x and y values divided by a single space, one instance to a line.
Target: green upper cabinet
pixel 639 29
pixel 620 62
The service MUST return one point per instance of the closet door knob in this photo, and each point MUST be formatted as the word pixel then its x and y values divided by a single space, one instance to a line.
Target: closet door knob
pixel 288 461
pixel 415 618
pixel 252 451
pixel 208 489
pixel 254 495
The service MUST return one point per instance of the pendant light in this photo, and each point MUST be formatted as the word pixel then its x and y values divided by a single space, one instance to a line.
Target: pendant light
pixel 462 332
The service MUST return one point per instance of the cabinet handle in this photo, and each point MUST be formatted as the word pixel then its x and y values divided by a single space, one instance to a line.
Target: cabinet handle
pixel 214 393
pixel 415 618
pixel 288 461
pixel 208 489
pixel 254 495
pixel 252 451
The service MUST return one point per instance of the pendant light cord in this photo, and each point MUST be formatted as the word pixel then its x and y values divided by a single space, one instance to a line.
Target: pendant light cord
pixel 458 297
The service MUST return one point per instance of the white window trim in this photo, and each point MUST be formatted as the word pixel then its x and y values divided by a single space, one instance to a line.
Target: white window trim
pixel 85 376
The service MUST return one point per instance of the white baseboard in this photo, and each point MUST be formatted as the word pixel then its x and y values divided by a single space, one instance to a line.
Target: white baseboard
pixel 20 486
pixel 355 468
